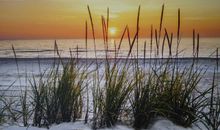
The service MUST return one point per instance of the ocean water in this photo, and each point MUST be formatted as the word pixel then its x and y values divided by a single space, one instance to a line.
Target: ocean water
pixel 28 52
pixel 45 48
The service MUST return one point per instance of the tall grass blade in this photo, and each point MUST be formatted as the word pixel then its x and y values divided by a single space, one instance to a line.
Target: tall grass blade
pixel 194 43
pixel 197 49
pixel 178 34
pixel 138 28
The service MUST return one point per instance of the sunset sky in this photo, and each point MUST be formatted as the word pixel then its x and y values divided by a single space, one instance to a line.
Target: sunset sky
pixel 53 19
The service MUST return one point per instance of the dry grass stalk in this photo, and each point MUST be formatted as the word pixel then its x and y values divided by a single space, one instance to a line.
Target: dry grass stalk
pixel 169 40
pixel 122 37
pixel 197 48
pixel 138 28
pixel 178 34
pixel 163 43
pixel 129 37
pixel 157 43
pixel 145 46
pixel 194 43
pixel 151 41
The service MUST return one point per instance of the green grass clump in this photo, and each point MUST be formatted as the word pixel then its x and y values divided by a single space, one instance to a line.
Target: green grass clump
pixel 168 92
pixel 118 88
pixel 69 93
pixel 51 97
pixel 143 99
pixel 57 97
pixel 110 99
pixel 25 108
pixel 38 97
pixel 179 98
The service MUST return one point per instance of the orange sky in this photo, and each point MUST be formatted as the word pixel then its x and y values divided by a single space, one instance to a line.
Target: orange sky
pixel 53 19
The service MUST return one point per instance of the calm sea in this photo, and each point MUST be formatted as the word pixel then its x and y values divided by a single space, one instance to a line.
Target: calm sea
pixel 45 48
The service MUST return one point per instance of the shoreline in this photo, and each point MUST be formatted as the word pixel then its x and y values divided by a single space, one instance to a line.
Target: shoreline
pixel 101 59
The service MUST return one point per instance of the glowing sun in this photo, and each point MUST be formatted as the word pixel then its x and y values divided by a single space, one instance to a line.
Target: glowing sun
pixel 112 31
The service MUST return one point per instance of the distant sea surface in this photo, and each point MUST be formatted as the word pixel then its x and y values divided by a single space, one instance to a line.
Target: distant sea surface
pixel 45 48
pixel 28 52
